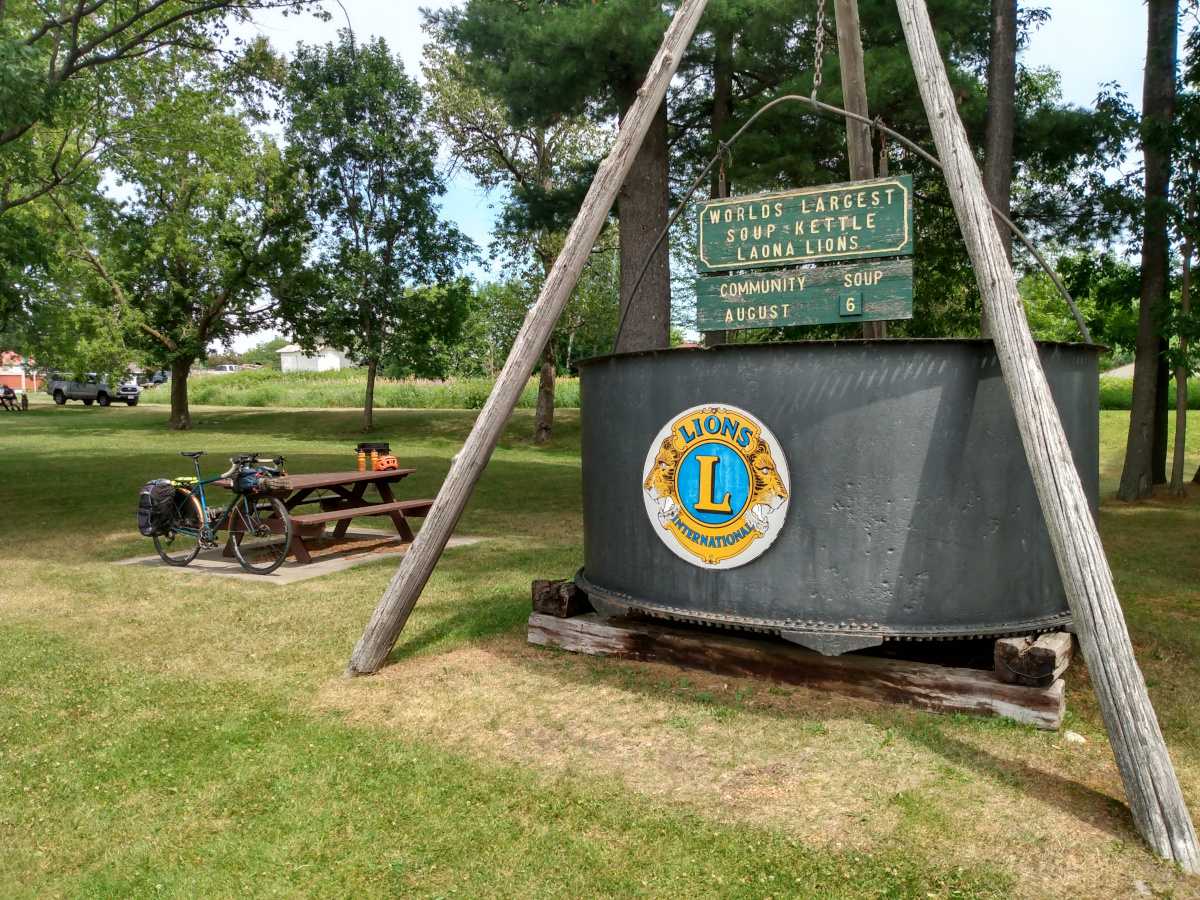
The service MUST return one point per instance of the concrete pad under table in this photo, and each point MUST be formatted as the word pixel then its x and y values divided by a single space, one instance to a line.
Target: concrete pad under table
pixel 211 562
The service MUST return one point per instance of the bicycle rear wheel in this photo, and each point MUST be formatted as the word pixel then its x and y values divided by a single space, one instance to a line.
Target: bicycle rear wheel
pixel 181 543
pixel 267 536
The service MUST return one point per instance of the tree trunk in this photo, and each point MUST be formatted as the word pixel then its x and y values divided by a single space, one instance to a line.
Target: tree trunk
pixel 1162 399
pixel 722 108
pixel 642 209
pixel 369 405
pixel 1158 111
pixel 543 422
pixel 181 417
pixel 722 111
pixel 1181 373
pixel 998 139
pixel 854 94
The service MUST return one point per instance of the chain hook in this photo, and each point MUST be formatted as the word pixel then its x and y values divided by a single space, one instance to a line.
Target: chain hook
pixel 723 153
pixel 820 49
pixel 883 154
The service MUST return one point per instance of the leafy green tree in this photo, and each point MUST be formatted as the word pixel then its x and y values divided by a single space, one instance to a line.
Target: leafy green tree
pixel 215 232
pixel 355 122
pixel 266 354
pixel 495 313
pixel 66 72
pixel 588 324
pixel 530 160
pixel 74 320
pixel 547 63
pixel 48 47
pixel 1105 287
pixel 433 326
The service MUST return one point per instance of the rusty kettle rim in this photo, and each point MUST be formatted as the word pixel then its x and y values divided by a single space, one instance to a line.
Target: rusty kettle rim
pixel 831 344
pixel 610 602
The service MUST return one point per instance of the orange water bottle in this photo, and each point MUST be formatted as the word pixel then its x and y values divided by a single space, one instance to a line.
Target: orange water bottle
pixel 362 461
pixel 374 460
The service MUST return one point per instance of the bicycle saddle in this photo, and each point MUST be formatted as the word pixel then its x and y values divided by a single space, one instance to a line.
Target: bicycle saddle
pixel 194 453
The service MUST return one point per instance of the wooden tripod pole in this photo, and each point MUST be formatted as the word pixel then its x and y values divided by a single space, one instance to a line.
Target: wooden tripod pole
pixel 1150 783
pixel 405 588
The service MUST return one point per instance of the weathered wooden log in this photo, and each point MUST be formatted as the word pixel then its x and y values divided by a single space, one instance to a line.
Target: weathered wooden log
pixel 1155 798
pixel 854 95
pixel 920 685
pixel 468 464
pixel 1035 662
pixel 854 89
pixel 561 599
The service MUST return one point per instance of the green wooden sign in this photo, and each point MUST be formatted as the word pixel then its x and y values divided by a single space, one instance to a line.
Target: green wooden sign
pixel 817 296
pixel 860 220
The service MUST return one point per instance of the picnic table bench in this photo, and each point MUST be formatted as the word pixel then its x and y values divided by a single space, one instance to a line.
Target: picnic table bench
pixel 341 497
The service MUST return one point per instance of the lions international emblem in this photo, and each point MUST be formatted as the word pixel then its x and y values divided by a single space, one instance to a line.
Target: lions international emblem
pixel 716 486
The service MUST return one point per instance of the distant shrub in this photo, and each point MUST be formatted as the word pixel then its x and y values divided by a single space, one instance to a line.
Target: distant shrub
pixel 347 388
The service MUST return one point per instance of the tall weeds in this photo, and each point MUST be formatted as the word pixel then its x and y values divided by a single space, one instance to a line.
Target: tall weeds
pixel 348 388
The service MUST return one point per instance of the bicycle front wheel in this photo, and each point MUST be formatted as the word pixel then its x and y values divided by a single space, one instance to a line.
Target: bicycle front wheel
pixel 267 534
pixel 181 543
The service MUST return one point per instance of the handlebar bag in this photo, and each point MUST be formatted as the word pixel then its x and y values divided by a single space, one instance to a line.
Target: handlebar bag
pixel 246 481
pixel 156 506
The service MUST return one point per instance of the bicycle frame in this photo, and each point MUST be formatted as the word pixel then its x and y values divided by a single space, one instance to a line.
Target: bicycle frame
pixel 207 529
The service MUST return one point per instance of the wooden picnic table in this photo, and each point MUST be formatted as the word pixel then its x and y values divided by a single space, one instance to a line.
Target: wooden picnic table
pixel 341 496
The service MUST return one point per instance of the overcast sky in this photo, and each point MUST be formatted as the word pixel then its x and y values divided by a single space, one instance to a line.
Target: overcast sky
pixel 1089 42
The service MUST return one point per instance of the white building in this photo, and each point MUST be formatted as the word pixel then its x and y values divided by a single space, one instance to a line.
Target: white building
pixel 294 358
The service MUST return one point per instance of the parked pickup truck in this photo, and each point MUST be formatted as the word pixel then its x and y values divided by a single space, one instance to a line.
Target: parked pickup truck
pixel 94 390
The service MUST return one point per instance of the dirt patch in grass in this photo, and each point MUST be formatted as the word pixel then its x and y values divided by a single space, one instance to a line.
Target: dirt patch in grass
pixel 829 771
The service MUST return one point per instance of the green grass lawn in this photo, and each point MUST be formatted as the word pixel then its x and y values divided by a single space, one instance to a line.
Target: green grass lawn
pixel 167 734
pixel 1117 393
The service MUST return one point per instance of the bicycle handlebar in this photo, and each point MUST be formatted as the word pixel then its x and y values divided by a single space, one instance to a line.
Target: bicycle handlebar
pixel 247 459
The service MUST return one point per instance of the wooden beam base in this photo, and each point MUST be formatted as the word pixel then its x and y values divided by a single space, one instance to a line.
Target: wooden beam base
pixel 560 598
pixel 1035 662
pixel 921 685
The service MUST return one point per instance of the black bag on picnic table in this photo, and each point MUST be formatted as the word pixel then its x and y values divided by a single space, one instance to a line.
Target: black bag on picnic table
pixel 261 478
pixel 156 507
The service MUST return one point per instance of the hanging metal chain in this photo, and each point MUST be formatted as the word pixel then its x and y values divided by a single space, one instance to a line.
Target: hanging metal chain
pixel 820 51
pixel 883 151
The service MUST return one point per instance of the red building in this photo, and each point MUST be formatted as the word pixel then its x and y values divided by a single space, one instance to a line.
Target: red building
pixel 15 374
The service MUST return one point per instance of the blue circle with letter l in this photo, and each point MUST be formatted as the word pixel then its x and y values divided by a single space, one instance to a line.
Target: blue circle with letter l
pixel 713 483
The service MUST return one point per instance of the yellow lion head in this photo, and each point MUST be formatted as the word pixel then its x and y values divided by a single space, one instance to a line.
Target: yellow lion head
pixel 661 480
pixel 766 487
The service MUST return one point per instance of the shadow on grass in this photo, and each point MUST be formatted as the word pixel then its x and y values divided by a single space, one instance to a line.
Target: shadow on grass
pixel 1088 805
pixel 478 611
pixel 462 626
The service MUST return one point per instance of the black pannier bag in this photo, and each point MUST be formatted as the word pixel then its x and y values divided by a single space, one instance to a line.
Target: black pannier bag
pixel 156 507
